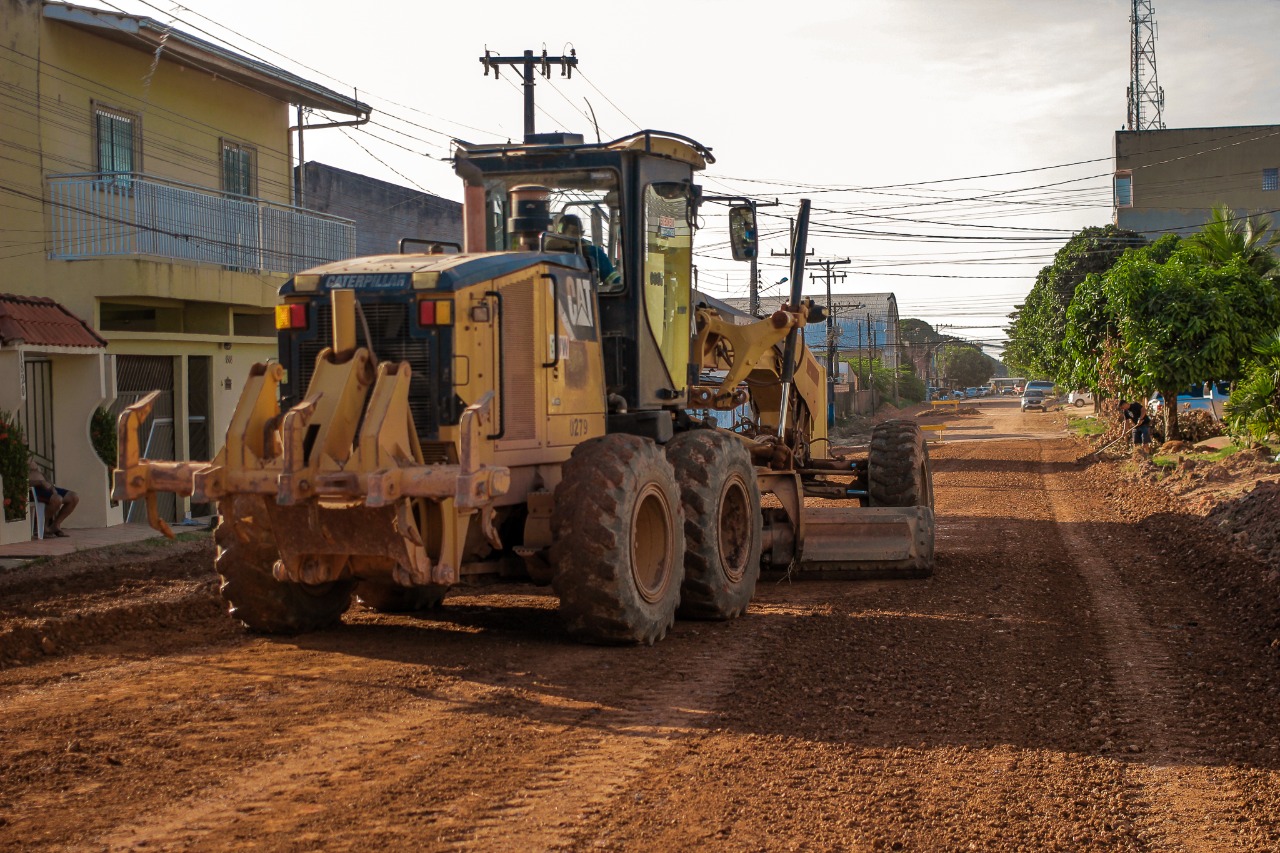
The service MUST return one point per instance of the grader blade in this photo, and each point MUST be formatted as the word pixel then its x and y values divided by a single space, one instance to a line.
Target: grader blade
pixel 867 542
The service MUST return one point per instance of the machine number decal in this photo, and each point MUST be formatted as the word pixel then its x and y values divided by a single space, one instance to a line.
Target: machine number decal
pixel 577 306
pixel 578 427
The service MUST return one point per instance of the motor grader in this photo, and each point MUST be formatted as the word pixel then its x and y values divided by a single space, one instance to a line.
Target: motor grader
pixel 539 405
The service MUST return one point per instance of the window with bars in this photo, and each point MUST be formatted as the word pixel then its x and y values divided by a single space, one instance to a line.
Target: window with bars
pixel 1270 180
pixel 117 143
pixel 239 172
pixel 1124 189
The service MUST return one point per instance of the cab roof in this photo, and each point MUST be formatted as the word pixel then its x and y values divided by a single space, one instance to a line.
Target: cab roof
pixel 660 143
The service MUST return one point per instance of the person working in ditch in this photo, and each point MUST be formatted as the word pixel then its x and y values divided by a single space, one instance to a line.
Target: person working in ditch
pixel 570 225
pixel 59 503
pixel 1136 418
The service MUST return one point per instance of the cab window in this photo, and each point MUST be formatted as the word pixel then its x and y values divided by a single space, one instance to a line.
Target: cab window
pixel 668 262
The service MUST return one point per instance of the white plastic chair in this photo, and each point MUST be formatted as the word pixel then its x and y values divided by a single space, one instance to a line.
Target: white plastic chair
pixel 40 508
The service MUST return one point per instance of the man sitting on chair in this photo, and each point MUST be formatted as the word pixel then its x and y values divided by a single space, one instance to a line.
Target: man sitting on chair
pixel 59 503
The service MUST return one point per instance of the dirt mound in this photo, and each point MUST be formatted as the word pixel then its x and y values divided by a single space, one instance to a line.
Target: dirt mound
pixel 888 411
pixel 1253 520
pixel 105 596
pixel 1207 483
pixel 1193 426
pixel 1244 574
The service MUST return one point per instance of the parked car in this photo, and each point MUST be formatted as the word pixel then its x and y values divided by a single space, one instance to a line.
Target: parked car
pixel 1186 403
pixel 970 392
pixel 1080 399
pixel 1034 398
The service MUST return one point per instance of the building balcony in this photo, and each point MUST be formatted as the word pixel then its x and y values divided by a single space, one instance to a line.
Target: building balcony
pixel 102 215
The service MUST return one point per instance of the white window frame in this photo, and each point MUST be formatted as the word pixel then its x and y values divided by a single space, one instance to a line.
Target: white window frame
pixel 1127 176
pixel 226 145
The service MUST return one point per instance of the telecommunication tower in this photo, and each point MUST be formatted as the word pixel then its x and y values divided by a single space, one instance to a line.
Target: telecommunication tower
pixel 1146 98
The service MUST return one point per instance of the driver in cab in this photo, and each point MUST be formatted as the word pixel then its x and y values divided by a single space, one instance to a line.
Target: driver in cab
pixel 570 225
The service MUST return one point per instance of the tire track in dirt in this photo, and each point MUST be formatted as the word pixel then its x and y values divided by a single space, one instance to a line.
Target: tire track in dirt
pixel 545 815
pixel 577 754
pixel 1186 804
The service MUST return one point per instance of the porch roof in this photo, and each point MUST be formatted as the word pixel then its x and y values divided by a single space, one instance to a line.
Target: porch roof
pixel 152 36
pixel 40 321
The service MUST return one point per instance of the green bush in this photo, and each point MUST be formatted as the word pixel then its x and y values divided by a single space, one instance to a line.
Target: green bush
pixel 102 431
pixel 1253 412
pixel 13 467
pixel 871 372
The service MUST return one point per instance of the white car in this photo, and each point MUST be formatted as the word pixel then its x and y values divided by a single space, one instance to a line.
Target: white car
pixel 1034 398
pixel 1080 399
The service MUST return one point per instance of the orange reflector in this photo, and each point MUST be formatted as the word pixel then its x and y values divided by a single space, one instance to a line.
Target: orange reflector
pixel 434 312
pixel 291 316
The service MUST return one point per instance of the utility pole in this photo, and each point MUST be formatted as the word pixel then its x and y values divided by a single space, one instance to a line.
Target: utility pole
pixel 831 333
pixel 529 62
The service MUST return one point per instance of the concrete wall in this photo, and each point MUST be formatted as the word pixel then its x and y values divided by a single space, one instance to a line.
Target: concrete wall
pixel 851 402
pixel 81 383
pixel 1180 174
pixel 383 212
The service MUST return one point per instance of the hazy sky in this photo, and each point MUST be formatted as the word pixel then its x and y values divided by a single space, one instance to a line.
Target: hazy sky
pixel 872 108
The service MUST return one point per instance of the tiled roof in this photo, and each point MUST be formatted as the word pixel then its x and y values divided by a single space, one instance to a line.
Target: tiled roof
pixel 39 321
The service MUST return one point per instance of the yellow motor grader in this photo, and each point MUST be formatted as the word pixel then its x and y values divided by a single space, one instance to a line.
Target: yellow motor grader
pixel 537 405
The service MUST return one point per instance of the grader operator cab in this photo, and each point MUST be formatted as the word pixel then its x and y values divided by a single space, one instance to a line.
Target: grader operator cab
pixel 534 407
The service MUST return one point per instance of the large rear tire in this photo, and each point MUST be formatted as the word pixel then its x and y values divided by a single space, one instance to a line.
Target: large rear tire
pixel 246 553
pixel 722 524
pixel 619 542
pixel 898 466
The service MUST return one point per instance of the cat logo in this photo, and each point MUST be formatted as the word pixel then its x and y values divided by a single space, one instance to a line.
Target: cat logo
pixel 577 305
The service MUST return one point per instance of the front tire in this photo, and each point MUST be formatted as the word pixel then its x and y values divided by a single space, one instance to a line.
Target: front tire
pixel 246 553
pixel 898 466
pixel 619 542
pixel 722 524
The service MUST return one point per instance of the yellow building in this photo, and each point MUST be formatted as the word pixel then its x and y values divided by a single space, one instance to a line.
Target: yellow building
pixel 146 184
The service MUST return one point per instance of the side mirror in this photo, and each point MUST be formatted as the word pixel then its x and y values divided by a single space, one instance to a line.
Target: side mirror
pixel 742 233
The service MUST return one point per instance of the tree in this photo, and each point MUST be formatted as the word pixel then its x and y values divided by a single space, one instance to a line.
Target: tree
pixel 1038 328
pixel 1226 237
pixel 1091 343
pixel 1163 318
pixel 915 332
pixel 965 364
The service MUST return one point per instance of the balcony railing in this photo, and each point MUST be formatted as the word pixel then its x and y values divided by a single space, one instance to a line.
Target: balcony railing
pixel 99 215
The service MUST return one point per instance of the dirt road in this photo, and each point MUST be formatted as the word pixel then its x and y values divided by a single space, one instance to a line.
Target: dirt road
pixel 1070 679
